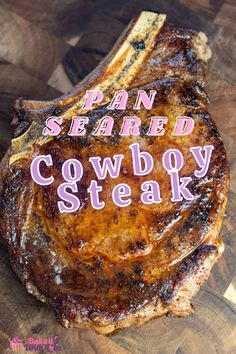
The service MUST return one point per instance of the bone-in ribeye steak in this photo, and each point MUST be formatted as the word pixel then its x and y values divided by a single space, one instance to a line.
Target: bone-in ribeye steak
pixel 110 268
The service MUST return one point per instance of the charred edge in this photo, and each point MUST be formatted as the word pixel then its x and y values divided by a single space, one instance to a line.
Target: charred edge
pixel 21 121
pixel 184 270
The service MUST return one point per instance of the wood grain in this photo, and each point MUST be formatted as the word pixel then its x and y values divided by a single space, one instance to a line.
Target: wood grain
pixel 46 47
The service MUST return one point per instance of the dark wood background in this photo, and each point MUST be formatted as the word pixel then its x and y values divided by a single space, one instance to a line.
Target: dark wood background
pixel 46 47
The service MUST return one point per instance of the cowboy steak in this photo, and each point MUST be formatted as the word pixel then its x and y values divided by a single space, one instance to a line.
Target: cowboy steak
pixel 110 268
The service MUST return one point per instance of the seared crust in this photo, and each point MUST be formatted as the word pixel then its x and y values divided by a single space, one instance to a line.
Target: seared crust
pixel 114 267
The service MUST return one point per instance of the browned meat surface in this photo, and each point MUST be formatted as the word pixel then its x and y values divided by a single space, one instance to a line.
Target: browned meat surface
pixel 106 269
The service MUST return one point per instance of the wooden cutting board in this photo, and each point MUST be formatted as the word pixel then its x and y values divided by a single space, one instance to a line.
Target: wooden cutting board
pixel 46 47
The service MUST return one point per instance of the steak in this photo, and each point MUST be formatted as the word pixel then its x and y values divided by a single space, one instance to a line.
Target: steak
pixel 110 268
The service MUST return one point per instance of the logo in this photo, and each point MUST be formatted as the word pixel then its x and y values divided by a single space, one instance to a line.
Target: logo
pixel 49 345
